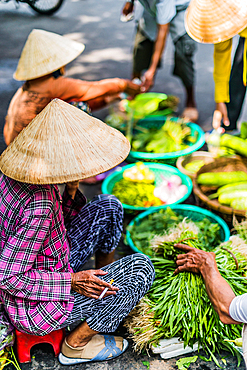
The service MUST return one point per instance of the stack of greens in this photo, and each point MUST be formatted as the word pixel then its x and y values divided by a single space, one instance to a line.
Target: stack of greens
pixel 138 194
pixel 143 231
pixel 171 137
pixel 178 305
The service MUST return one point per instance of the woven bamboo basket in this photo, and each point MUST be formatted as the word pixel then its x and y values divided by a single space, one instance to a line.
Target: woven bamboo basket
pixel 202 192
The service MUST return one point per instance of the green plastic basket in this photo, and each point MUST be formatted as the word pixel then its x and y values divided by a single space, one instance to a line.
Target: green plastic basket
pixel 167 158
pixel 192 212
pixel 158 169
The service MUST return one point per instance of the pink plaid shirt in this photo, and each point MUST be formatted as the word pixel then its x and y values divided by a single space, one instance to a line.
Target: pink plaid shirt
pixel 35 279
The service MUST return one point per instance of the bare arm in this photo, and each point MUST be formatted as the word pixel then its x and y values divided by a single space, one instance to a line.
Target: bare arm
pixel 159 46
pixel 219 291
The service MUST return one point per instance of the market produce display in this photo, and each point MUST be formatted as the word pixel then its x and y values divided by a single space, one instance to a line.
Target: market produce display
pixel 7 355
pixel 178 305
pixel 150 104
pixel 221 178
pixel 173 136
pixel 137 188
pixel 235 143
pixel 232 187
pixel 194 165
pixel 156 223
pixel 142 106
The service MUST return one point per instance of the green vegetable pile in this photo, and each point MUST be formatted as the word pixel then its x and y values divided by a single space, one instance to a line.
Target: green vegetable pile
pixel 141 107
pixel 137 194
pixel 178 305
pixel 194 166
pixel 232 187
pixel 157 223
pixel 171 137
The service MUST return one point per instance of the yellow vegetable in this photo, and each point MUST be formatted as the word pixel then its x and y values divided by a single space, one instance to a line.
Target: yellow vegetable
pixel 139 173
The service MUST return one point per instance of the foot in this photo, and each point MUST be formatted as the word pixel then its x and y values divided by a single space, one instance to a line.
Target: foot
pixel 190 114
pixel 99 348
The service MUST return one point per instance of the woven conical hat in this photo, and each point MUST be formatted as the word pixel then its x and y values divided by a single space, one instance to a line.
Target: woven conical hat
pixel 213 21
pixel 63 144
pixel 45 52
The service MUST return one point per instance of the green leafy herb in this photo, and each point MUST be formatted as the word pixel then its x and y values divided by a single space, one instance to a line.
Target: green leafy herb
pixel 136 194
pixel 178 305
pixel 171 137
pixel 157 223
pixel 184 363
pixel 146 363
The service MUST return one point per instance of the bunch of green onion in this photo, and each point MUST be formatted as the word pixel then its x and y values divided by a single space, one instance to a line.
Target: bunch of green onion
pixel 178 305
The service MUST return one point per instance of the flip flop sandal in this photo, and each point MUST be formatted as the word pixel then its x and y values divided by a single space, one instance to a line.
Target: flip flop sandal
pixel 110 349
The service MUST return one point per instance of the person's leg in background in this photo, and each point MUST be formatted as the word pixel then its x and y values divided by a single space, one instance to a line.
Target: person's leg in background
pixel 237 89
pixel 142 54
pixel 185 49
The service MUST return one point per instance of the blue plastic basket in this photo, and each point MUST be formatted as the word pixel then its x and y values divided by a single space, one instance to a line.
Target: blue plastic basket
pixel 158 169
pixel 167 158
pixel 192 212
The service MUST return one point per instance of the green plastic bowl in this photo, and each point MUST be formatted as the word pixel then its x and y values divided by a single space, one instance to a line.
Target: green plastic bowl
pixel 192 212
pixel 168 158
pixel 158 169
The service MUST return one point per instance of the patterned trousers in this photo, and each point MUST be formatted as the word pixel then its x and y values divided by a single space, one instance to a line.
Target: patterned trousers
pixel 99 226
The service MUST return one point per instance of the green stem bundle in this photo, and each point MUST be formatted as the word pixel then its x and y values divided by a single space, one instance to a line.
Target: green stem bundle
pixel 178 305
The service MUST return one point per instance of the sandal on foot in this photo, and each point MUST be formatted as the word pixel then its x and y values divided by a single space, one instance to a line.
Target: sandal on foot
pixel 99 348
pixel 191 114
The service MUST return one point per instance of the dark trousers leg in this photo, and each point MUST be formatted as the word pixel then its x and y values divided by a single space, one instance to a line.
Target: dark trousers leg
pixel 237 88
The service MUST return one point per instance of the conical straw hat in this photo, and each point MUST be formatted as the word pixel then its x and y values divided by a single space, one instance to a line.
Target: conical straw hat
pixel 63 144
pixel 213 21
pixel 45 52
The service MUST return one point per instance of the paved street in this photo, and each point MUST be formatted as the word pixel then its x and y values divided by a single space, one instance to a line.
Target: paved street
pixel 107 54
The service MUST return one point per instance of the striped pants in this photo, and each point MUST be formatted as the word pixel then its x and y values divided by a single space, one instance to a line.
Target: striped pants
pixel 99 226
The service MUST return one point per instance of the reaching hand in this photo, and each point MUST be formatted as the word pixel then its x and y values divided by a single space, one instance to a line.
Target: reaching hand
pixel 128 8
pixel 89 285
pixel 132 89
pixel 219 114
pixel 195 260
pixel 148 81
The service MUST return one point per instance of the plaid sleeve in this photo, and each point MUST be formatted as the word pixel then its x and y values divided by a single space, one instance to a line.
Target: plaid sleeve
pixel 71 207
pixel 23 247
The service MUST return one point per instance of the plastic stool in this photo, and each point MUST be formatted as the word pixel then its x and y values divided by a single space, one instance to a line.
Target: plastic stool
pixel 24 342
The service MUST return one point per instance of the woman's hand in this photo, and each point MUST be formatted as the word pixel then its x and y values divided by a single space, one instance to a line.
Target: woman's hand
pixel 132 89
pixel 220 113
pixel 195 260
pixel 128 8
pixel 72 188
pixel 148 80
pixel 89 285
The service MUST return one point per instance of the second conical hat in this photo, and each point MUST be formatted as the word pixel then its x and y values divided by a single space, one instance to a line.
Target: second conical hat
pixel 63 144
pixel 214 21
pixel 45 52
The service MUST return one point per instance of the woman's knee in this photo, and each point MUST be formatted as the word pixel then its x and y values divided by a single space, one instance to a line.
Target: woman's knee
pixel 109 201
pixel 145 266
